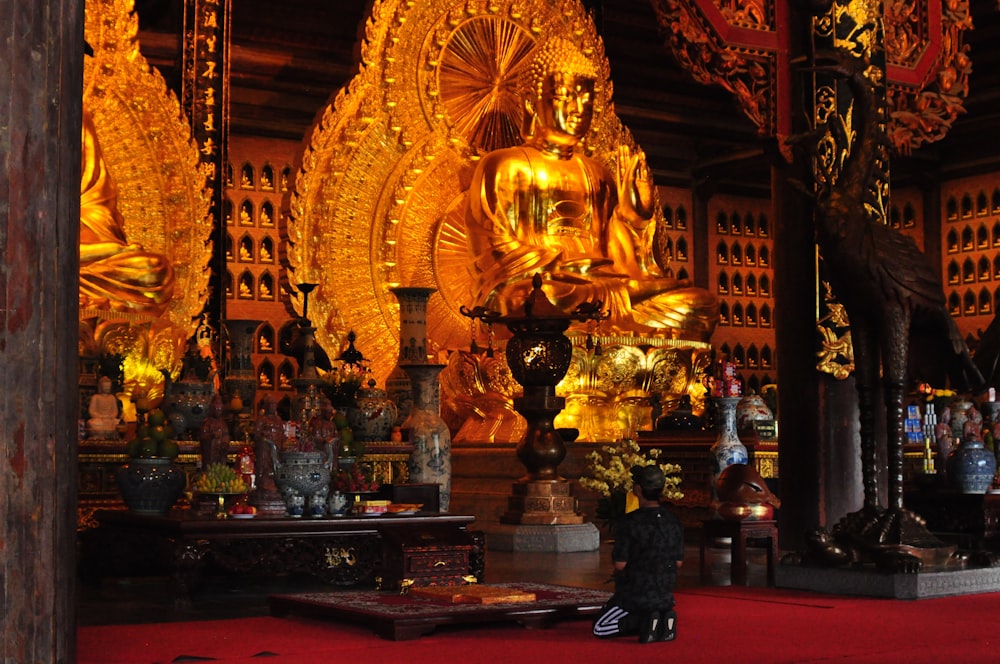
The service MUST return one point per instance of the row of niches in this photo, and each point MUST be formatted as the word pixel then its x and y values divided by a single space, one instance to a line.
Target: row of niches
pixel 676 250
pixel 263 181
pixel 905 218
pixel 971 303
pixel 754 384
pixel 738 254
pixel 270 377
pixel 969 240
pixel 250 251
pixel 736 315
pixel 746 224
pixel 750 357
pixel 751 285
pixel 675 219
pixel 972 271
pixel 249 287
pixel 251 216
pixel 967 208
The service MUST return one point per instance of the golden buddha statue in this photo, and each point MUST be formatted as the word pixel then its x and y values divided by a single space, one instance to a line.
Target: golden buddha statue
pixel 114 274
pixel 546 207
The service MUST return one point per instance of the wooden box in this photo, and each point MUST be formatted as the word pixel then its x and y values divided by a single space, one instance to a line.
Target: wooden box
pixel 425 556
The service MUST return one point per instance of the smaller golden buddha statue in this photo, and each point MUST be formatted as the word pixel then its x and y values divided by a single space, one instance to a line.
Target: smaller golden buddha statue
pixel 115 274
pixel 546 207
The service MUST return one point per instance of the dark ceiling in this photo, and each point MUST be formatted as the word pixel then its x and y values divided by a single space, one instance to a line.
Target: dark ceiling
pixel 287 59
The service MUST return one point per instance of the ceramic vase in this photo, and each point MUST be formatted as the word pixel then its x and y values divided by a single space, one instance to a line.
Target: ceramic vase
pixel 150 486
pixel 412 345
pixel 727 449
pixel 959 416
pixel 373 414
pixel 752 408
pixel 971 467
pixel 430 461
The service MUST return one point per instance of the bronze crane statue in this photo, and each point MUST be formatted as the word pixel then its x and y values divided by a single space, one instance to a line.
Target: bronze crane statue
pixel 895 302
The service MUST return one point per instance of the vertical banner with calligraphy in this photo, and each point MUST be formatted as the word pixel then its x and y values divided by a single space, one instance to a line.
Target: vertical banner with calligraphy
pixel 206 100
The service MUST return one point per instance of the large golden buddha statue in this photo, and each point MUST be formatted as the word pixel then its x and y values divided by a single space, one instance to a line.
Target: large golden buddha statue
pixel 545 206
pixel 479 143
pixel 115 274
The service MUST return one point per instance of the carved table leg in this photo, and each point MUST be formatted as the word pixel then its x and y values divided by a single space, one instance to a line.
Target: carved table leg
pixel 187 565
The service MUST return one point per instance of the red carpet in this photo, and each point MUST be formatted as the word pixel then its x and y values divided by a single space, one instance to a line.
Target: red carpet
pixel 714 625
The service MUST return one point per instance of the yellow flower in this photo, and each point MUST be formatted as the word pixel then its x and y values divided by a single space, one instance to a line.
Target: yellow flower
pixel 610 469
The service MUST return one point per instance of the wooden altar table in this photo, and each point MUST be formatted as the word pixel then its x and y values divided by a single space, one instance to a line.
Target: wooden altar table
pixel 343 551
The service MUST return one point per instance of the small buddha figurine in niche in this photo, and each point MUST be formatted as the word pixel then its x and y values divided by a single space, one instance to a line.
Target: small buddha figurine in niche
pixel 115 274
pixel 105 411
pixel 546 207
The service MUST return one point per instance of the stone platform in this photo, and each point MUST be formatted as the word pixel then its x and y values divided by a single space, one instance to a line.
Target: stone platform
pixel 870 583
pixel 541 538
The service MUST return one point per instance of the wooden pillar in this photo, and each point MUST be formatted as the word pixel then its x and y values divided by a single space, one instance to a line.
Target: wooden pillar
pixel 41 86
pixel 206 102
pixel 703 191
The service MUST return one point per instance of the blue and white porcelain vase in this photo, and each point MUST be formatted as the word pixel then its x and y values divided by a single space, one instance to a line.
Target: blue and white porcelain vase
pixel 413 346
pixel 727 449
pixel 373 414
pixel 971 467
pixel 430 461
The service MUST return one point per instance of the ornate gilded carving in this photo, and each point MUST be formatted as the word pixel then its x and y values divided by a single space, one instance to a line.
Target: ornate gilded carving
pixel 748 72
pixel 836 354
pixel 161 190
pixel 927 60
pixel 377 200
pixel 923 111
pixel 855 27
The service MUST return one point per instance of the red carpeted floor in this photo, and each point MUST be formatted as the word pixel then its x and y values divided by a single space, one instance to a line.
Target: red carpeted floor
pixel 714 625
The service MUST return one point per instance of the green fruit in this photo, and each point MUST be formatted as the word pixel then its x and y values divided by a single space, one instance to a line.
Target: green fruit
pixel 169 449
pixel 132 447
pixel 358 449
pixel 340 420
pixel 160 433
pixel 346 436
pixel 157 417
pixel 148 448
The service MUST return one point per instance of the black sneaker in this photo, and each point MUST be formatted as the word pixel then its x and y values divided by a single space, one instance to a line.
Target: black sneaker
pixel 669 626
pixel 651 627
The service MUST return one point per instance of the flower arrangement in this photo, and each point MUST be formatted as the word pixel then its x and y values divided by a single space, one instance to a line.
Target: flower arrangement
pixel 342 382
pixel 610 475
pixel 357 477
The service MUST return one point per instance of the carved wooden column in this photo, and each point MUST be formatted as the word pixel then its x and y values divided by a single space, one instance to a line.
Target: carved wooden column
pixel 39 244
pixel 206 101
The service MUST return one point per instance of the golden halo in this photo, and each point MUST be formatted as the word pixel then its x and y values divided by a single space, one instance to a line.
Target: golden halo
pixel 161 184
pixel 378 196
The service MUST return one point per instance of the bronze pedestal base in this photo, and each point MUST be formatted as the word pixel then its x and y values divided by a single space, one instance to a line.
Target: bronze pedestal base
pixel 542 502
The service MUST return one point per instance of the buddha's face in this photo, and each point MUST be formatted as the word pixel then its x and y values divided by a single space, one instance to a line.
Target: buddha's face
pixel 566 105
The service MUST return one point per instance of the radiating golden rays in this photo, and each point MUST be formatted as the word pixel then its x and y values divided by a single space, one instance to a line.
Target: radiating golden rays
pixel 478 79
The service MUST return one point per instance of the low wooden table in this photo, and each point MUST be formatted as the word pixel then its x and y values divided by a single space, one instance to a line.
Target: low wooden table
pixel 400 618
pixel 743 533
pixel 343 551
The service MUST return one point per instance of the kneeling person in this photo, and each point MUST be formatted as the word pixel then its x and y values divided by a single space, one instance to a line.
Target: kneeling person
pixel 649 547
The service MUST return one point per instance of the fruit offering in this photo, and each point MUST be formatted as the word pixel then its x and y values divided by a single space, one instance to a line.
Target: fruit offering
pixel 242 508
pixel 153 439
pixel 219 478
